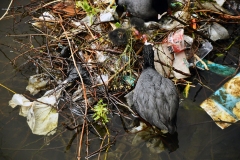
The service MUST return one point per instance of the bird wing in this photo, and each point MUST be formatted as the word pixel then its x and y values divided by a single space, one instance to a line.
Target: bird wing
pixel 141 8
pixel 151 98
pixel 172 98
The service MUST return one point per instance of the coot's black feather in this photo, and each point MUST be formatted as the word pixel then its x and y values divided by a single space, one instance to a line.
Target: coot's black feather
pixel 155 98
pixel 145 9
pixel 119 36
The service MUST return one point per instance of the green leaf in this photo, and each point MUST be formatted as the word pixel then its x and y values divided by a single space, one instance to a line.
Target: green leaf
pixel 100 112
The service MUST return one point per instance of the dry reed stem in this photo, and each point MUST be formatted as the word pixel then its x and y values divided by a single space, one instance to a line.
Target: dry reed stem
pixel 6 10
pixel 83 88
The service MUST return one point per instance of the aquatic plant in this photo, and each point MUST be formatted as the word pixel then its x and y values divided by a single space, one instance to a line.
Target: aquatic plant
pixel 101 112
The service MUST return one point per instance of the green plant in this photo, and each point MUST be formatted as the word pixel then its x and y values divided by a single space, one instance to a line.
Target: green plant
pixel 100 112
pixel 117 24
pixel 87 8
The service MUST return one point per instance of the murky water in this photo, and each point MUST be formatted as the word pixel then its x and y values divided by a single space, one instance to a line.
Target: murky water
pixel 198 137
pixel 16 140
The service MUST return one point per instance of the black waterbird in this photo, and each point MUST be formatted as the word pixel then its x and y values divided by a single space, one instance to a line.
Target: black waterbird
pixel 145 9
pixel 155 97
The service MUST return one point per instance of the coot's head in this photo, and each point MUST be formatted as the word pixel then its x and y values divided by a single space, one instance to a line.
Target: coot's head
pixel 148 55
pixel 119 36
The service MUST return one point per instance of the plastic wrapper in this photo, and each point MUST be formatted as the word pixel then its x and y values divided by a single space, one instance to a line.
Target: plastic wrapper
pixel 42 116
pixel 171 52
pixel 205 49
pixel 47 16
pixel 214 7
pixel 73 74
pixel 217 31
pixel 224 104
pixel 176 41
pixel 170 24
pixel 130 80
pixel 161 53
pixel 37 83
pixel 180 62
pixel 220 2
pixel 217 68
pixel 108 15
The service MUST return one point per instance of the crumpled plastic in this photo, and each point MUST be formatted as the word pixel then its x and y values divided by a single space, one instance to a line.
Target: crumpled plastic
pixel 42 116
pixel 37 83
pixel 73 74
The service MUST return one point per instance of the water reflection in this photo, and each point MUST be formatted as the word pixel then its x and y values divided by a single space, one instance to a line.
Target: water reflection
pixel 198 136
pixel 147 143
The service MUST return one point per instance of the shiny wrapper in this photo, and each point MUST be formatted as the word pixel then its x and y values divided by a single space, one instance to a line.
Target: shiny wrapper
pixel 224 104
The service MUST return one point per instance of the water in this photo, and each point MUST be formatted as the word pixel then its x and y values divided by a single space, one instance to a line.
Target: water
pixel 198 137
pixel 17 141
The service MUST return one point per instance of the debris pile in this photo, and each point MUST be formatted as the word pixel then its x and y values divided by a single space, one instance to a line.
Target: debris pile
pixel 91 57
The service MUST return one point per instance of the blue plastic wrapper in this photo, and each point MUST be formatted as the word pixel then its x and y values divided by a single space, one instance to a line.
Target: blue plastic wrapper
pixel 129 79
pixel 224 104
pixel 217 68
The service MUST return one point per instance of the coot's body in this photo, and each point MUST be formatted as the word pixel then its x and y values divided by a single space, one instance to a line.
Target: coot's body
pixel 145 9
pixel 155 98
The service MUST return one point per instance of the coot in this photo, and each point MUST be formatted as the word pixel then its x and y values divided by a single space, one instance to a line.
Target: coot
pixel 154 98
pixel 145 9
pixel 119 36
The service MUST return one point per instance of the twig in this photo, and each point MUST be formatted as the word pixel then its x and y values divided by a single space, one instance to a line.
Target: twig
pixel 101 149
pixel 89 31
pixel 30 35
pixel 119 71
pixel 176 70
pixel 45 5
pixel 99 153
pixel 201 83
pixel 200 60
pixel 7 88
pixel 196 31
pixel 6 10
pixel 106 50
pixel 108 134
pixel 233 42
pixel 123 105
pixel 83 88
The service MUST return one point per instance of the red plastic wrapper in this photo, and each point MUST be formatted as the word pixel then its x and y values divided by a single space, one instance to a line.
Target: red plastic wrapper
pixel 175 41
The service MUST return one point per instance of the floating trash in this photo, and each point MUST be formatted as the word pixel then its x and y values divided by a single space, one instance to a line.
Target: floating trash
pixel 162 54
pixel 37 83
pixel 176 41
pixel 180 62
pixel 130 80
pixel 205 49
pixel 214 7
pixel 170 24
pixel 223 105
pixel 85 41
pixel 217 32
pixel 108 15
pixel 42 115
pixel 217 68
